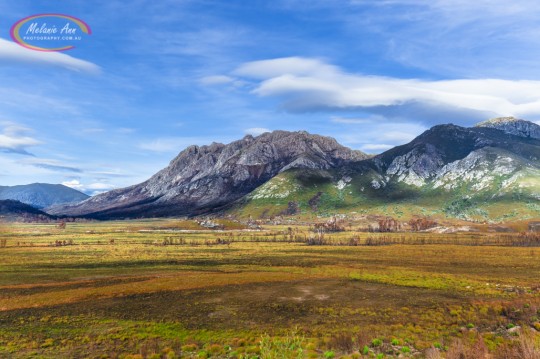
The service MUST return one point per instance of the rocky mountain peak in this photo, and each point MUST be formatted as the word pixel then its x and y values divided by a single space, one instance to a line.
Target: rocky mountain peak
pixel 422 159
pixel 202 178
pixel 513 126
pixel 498 120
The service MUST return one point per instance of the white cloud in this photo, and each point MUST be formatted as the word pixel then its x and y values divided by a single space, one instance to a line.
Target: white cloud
pixel 211 43
pixel 350 121
pixel 105 173
pixel 10 51
pixel 15 139
pixel 216 80
pixel 35 100
pixel 483 38
pixel 91 189
pixel 317 85
pixel 173 144
pixel 265 69
pixel 75 184
pixel 256 131
pixel 380 136
pixel 375 147
pixel 50 165
pixel 399 136
pixel 222 80
pixel 162 145
pixel 100 186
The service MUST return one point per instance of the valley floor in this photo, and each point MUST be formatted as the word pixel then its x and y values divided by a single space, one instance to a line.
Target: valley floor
pixel 151 289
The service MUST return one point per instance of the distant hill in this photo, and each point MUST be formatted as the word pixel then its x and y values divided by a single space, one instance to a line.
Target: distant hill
pixel 15 210
pixel 487 172
pixel 42 195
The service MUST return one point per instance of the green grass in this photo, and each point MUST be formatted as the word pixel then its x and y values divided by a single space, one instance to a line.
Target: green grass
pixel 260 295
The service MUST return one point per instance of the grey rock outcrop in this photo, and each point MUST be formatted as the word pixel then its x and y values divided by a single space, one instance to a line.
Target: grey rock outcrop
pixel 513 126
pixel 446 155
pixel 202 179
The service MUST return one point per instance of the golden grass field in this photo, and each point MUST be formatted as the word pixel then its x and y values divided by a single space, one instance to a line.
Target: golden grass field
pixel 171 289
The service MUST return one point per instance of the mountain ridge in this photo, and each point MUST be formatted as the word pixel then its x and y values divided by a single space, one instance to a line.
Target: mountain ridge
pixel 468 173
pixel 513 126
pixel 203 178
pixel 42 195
pixel 451 163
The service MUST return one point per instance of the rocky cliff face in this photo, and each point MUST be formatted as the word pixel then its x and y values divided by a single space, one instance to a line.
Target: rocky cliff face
pixel 513 126
pixel 452 154
pixel 201 179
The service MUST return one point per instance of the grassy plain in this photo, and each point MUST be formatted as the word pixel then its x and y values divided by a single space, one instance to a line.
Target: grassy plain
pixel 172 289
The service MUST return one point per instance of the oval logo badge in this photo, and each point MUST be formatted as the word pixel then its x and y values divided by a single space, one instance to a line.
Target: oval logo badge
pixel 49 32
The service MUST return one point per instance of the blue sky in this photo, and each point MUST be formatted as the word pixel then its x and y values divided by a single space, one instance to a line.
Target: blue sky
pixel 157 76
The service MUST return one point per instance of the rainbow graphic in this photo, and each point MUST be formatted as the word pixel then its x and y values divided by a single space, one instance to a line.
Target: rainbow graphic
pixel 16 28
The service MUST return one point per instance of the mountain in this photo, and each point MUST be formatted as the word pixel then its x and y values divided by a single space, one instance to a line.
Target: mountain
pixel 448 149
pixel 485 172
pixel 42 195
pixel 202 179
pixel 490 171
pixel 15 210
pixel 513 126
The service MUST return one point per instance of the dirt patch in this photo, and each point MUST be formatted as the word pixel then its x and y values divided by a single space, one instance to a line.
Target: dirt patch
pixel 309 303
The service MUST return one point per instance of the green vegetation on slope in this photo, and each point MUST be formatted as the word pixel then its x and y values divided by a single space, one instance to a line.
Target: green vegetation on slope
pixel 324 193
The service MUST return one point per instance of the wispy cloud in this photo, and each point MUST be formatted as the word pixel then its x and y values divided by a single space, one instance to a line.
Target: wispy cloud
pixel 222 80
pixel 299 66
pixel 108 173
pixel 256 131
pixel 443 38
pixel 350 121
pixel 91 188
pixel 306 85
pixel 216 80
pixel 375 147
pixel 51 164
pixel 31 99
pixel 16 139
pixel 205 42
pixel 10 51
pixel 485 38
pixel 173 144
pixel 379 136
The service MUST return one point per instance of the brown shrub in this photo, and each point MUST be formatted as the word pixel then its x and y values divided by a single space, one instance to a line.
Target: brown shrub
pixel 461 350
pixel 342 342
